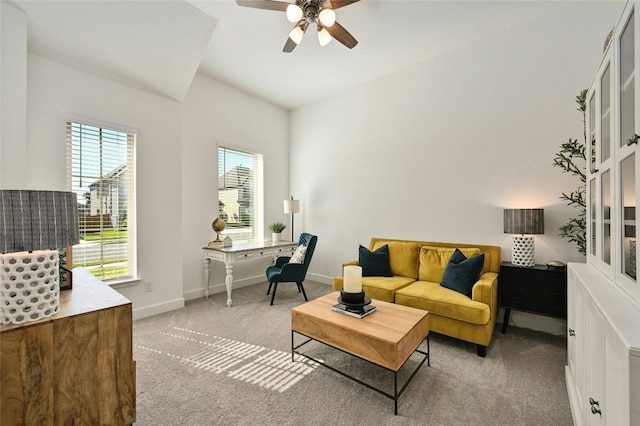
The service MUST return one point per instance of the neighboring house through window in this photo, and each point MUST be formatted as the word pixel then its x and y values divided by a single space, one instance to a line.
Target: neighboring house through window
pixel 101 171
pixel 240 193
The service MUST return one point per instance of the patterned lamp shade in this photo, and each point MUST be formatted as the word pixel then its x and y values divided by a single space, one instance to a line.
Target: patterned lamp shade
pixel 524 221
pixel 37 220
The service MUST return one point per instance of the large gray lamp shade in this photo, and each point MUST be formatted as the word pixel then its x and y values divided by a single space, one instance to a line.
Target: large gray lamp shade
pixel 37 220
pixel 33 226
pixel 524 222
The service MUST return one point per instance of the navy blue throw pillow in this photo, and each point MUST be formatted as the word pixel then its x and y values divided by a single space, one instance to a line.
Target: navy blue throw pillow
pixel 375 263
pixel 462 273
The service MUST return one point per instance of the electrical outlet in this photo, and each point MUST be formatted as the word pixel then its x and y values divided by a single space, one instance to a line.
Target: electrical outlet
pixel 148 285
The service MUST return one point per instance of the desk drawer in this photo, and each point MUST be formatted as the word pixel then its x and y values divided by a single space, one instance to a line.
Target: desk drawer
pixel 245 255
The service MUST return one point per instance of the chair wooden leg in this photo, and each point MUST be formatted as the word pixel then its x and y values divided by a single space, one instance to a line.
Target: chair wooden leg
pixel 273 296
pixel 269 290
pixel 301 287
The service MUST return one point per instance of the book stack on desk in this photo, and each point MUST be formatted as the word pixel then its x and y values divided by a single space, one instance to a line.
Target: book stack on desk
pixel 359 312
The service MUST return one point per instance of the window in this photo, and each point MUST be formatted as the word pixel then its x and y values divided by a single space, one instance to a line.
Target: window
pixel 101 171
pixel 240 193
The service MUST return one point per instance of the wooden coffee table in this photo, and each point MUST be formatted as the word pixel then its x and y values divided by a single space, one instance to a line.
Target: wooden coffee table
pixel 387 337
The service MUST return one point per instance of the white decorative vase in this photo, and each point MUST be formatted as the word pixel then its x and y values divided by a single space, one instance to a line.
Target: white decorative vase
pixel 30 286
pixel 522 252
pixel 276 236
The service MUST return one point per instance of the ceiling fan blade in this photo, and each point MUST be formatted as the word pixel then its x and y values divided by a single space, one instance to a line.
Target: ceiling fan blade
pixel 336 4
pixel 338 32
pixel 289 45
pixel 264 4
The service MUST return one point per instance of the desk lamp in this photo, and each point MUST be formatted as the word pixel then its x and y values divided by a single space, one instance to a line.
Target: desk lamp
pixel 292 206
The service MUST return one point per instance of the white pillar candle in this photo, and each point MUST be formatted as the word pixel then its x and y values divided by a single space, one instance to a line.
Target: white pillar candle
pixel 352 279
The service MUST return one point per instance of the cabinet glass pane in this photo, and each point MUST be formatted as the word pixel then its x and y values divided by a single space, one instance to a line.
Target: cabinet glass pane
pixel 627 83
pixel 606 216
pixel 628 177
pixel 592 196
pixel 592 132
pixel 605 115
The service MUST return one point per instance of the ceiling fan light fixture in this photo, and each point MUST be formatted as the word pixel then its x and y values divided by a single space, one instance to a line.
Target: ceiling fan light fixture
pixel 296 34
pixel 294 13
pixel 327 17
pixel 324 37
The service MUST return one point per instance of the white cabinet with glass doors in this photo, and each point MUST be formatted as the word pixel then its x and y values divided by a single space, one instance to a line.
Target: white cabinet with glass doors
pixel 603 312
pixel 613 125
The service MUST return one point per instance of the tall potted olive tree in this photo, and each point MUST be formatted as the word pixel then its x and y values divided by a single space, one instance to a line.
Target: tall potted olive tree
pixel 571 159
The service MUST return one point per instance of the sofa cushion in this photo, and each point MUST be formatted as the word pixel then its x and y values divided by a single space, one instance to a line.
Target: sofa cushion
pixel 379 288
pixel 374 263
pixel 444 302
pixel 462 272
pixel 384 288
pixel 434 261
pixel 403 256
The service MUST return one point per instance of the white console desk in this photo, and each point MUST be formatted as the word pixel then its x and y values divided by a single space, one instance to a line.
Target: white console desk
pixel 242 251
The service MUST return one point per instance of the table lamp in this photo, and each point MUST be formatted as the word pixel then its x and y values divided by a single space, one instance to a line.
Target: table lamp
pixel 33 226
pixel 291 206
pixel 525 222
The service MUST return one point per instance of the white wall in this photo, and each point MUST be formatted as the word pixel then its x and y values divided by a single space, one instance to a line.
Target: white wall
pixel 215 113
pixel 57 93
pixel 176 167
pixel 436 151
pixel 13 99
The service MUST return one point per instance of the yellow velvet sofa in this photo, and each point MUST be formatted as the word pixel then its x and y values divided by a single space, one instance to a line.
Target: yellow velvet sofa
pixel 418 267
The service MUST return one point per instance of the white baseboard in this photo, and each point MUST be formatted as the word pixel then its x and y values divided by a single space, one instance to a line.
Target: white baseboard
pixel 323 279
pixel 160 308
pixel 245 282
pixel 221 288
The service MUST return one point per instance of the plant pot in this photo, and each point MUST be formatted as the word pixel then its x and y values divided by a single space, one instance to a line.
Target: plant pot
pixel 276 236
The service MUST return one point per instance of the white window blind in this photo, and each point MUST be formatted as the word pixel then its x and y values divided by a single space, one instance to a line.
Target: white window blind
pixel 240 193
pixel 101 171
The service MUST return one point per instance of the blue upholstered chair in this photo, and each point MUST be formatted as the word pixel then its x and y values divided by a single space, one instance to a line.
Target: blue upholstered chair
pixel 283 271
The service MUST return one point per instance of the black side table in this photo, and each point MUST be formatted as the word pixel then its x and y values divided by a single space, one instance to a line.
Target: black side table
pixel 537 290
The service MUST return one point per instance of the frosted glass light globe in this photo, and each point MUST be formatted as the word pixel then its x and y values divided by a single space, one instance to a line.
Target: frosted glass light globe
pixel 294 13
pixel 327 17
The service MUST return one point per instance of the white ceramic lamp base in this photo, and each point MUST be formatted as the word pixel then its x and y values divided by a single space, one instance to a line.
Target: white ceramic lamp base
pixel 30 286
pixel 522 251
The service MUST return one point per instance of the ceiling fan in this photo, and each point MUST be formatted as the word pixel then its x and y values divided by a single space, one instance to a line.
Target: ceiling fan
pixel 305 12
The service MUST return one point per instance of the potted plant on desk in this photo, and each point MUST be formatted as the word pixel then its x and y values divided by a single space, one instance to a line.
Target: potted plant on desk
pixel 276 229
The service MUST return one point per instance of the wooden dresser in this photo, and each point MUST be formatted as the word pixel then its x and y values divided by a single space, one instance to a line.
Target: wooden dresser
pixel 76 367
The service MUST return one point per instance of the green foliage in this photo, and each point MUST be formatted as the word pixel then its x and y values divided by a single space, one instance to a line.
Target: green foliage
pixel 571 159
pixel 277 227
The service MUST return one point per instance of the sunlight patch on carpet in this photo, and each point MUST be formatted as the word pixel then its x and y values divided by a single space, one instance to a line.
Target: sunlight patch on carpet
pixel 256 365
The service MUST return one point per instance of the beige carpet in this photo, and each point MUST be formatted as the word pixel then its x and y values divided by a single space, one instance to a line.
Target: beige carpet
pixel 208 364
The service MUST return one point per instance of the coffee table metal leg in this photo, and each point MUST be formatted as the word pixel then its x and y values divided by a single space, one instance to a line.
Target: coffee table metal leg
pixel 396 394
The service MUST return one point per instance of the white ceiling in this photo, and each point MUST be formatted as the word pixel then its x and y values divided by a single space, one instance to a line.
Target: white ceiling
pixel 158 46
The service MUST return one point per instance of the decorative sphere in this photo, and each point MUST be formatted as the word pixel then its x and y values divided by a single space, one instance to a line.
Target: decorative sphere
pixel 218 225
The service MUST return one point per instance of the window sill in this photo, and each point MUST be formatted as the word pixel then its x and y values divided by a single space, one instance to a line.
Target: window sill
pixel 124 282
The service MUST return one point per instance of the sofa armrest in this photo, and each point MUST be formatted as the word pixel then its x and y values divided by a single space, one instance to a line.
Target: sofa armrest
pixel 485 290
pixel 351 263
